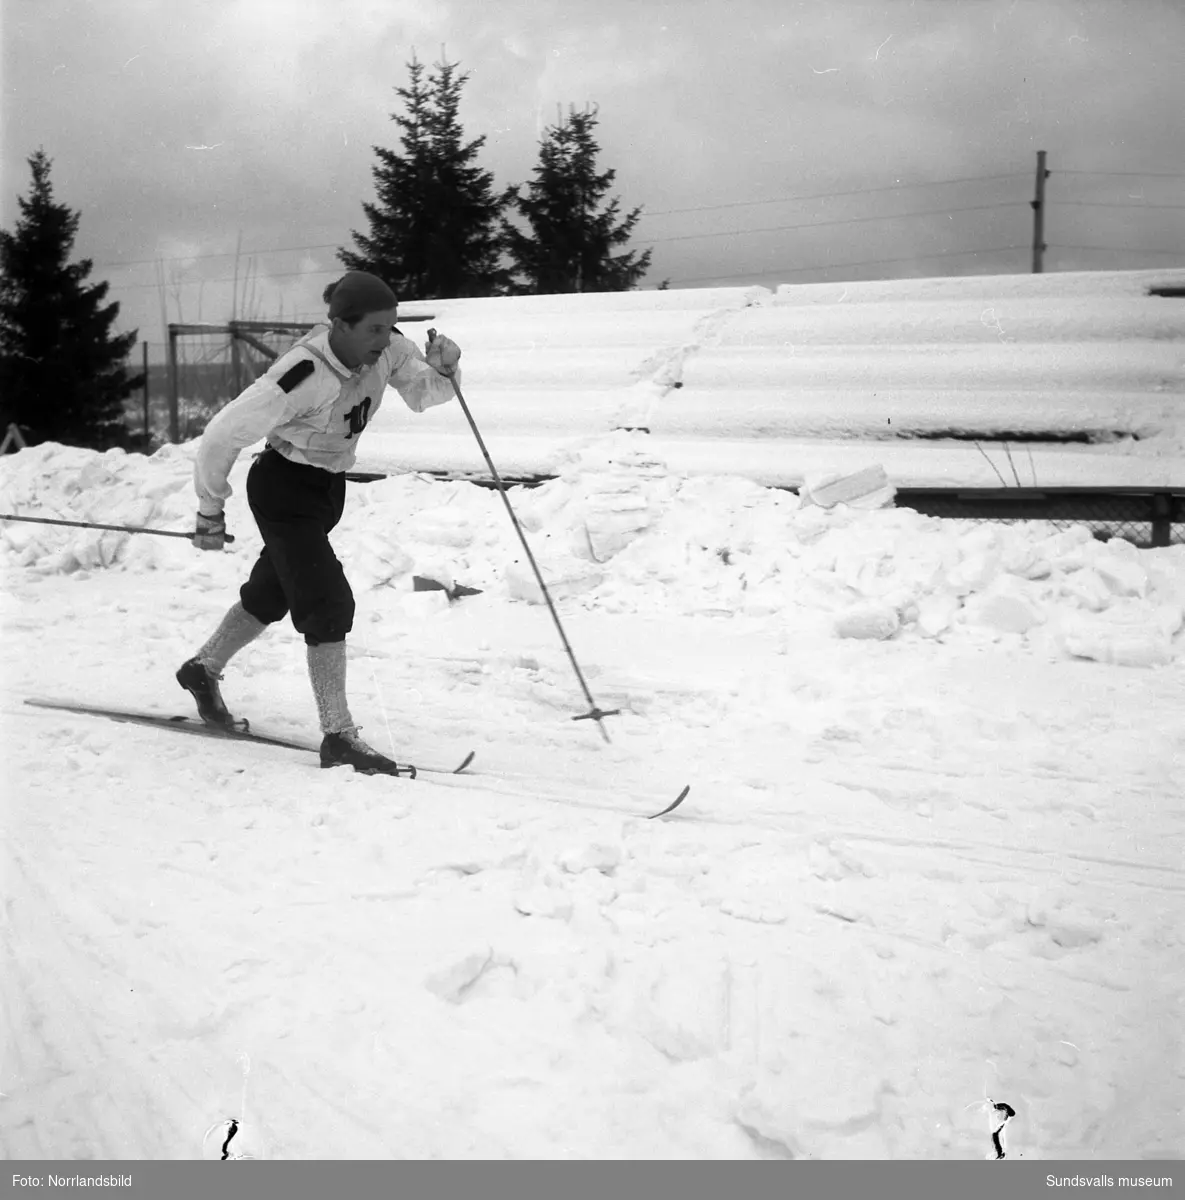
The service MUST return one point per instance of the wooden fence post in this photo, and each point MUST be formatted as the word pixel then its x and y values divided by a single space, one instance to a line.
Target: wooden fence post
pixel 1162 519
pixel 174 389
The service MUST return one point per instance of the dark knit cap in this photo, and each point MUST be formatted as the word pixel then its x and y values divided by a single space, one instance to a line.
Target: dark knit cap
pixel 357 293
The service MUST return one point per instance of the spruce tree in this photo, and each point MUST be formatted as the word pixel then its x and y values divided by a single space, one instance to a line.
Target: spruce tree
pixel 434 230
pixel 63 376
pixel 571 238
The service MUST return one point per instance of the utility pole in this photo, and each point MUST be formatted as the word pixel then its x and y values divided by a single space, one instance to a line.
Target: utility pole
pixel 1038 203
pixel 147 414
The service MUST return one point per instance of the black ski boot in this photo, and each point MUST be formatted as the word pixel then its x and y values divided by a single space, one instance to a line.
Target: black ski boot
pixel 202 684
pixel 347 749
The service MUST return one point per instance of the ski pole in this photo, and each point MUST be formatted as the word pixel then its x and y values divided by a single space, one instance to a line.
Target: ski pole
pixel 594 713
pixel 93 525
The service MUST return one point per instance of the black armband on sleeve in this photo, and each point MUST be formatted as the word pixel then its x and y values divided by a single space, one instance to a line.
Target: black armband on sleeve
pixel 295 376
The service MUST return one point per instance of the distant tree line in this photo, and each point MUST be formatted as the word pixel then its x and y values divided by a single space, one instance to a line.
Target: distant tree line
pixel 63 372
pixel 439 228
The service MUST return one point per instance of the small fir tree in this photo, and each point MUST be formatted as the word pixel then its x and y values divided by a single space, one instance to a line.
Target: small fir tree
pixel 63 374
pixel 434 230
pixel 570 242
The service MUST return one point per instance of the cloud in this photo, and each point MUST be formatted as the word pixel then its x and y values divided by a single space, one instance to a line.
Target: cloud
pixel 702 102
pixel 180 253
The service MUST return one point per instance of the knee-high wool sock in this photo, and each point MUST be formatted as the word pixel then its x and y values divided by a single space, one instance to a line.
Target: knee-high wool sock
pixel 238 628
pixel 327 673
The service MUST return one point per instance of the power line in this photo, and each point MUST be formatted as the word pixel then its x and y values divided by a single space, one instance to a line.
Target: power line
pixel 680 238
pixel 1110 204
pixel 136 262
pixel 938 212
pixel 721 233
pixel 1127 174
pixel 666 212
pixel 139 262
pixel 133 262
pixel 129 287
pixel 1115 249
pixel 867 262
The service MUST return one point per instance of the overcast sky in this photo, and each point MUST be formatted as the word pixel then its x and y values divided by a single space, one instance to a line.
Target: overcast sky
pixel 182 129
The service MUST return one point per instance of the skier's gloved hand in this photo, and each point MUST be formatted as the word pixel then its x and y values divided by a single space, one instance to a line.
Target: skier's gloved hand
pixel 442 353
pixel 210 532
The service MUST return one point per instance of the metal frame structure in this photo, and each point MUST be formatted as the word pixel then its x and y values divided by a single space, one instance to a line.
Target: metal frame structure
pixel 241 332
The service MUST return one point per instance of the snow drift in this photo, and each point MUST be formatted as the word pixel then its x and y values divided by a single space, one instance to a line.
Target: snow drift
pixel 623 533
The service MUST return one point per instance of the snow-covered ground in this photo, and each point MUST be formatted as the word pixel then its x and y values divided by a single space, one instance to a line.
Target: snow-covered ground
pixel 931 859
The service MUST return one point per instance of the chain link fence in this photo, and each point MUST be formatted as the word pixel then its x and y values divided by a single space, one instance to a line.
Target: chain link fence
pixel 1145 517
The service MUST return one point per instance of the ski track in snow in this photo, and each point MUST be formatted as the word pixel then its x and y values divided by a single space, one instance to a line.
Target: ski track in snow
pixel 864 919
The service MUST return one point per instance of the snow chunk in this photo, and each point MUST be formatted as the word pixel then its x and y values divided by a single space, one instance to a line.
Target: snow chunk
pixel 869 621
pixel 540 900
pixel 1088 589
pixel 442 527
pixel 565 575
pixel 1005 607
pixel 1124 576
pixel 1026 559
pixel 608 494
pixel 450 979
pixel 613 521
pixel 596 856
pixel 1136 634
pixel 837 1114
pixel 974 573
pixel 935 613
pixel 376 560
pixel 866 488
pixel 1069 925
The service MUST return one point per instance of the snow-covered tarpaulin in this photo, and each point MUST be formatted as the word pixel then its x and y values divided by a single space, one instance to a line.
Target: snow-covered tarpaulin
pixel 1083 372
pixel 930 862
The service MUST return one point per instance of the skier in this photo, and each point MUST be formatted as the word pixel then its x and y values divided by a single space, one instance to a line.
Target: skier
pixel 311 406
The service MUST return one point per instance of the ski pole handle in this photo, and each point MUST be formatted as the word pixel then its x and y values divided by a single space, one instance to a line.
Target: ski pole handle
pixel 447 372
